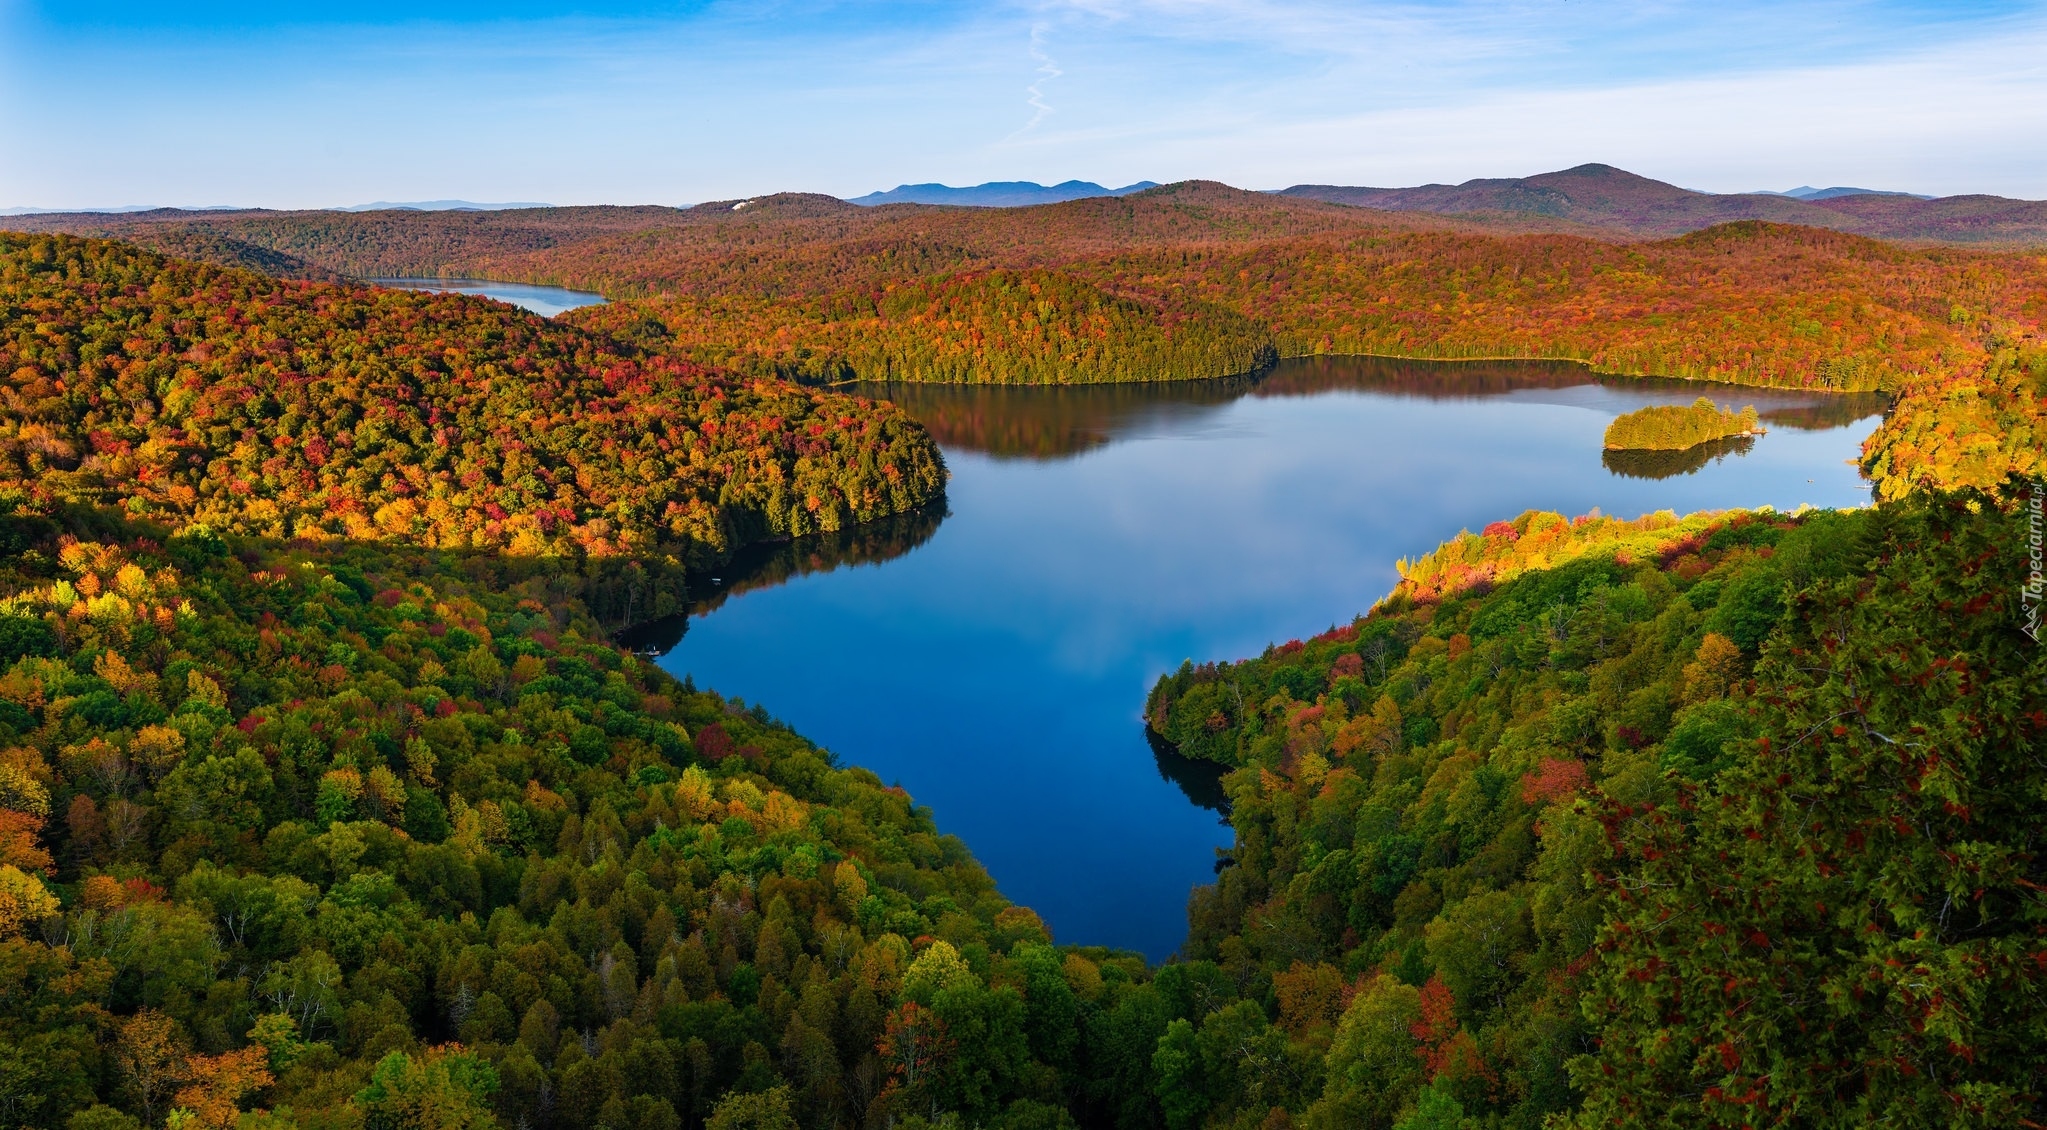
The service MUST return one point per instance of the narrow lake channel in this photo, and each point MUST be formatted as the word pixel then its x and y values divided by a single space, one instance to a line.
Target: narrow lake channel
pixel 993 657
pixel 546 301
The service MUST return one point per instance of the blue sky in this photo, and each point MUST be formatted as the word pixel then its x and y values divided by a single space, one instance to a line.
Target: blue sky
pixel 301 105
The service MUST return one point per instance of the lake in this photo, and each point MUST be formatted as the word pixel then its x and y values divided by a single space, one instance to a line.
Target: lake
pixel 546 301
pixel 993 657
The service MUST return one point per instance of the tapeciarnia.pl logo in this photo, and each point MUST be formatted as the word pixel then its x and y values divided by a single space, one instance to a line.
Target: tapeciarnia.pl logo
pixel 2035 588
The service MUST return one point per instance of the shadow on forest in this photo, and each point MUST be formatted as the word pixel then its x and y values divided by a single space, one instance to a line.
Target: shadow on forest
pixel 766 564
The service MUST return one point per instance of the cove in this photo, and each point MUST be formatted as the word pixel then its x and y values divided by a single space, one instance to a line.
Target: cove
pixel 993 656
pixel 546 301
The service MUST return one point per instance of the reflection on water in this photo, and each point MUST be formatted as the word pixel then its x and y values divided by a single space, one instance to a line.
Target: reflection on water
pixel 546 301
pixel 1048 421
pixel 1202 781
pixel 1836 411
pixel 777 562
pixel 1641 463
pixel 1056 421
pixel 1436 380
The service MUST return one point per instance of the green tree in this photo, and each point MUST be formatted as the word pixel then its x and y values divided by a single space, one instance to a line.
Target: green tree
pixel 1843 928
pixel 444 1089
pixel 762 1110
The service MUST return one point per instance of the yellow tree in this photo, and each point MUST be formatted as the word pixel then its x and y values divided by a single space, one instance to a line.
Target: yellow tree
pixel 219 1083
pixel 150 1052
pixel 23 901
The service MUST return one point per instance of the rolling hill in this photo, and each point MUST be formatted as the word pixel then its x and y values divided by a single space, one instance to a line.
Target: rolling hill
pixel 1198 279
pixel 998 194
pixel 1617 201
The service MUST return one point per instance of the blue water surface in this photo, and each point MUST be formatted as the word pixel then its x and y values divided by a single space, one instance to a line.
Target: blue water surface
pixel 996 665
pixel 546 301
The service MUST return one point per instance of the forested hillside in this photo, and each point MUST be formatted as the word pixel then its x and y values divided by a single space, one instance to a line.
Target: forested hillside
pixel 1197 280
pixel 998 327
pixel 1749 305
pixel 369 826
pixel 362 245
pixel 1725 821
pixel 1971 430
pixel 364 838
pixel 1191 280
pixel 186 393
pixel 325 803
pixel 1622 203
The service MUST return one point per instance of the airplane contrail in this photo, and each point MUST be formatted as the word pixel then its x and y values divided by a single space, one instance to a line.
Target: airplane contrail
pixel 1047 71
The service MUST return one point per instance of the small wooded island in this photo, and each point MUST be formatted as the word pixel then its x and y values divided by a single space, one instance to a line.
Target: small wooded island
pixel 1668 427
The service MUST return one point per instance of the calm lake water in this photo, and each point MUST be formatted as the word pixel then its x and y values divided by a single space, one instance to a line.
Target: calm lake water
pixel 546 301
pixel 993 657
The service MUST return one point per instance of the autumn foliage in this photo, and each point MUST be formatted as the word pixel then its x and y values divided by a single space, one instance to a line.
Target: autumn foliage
pixel 1724 822
pixel 188 393
pixel 1661 427
pixel 342 805
pixel 1178 280
pixel 325 802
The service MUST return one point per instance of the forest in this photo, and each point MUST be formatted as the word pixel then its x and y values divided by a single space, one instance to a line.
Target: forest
pixel 1675 427
pixel 998 327
pixel 354 836
pixel 310 825
pixel 190 394
pixel 1729 820
pixel 1745 302
pixel 1197 279
pixel 330 801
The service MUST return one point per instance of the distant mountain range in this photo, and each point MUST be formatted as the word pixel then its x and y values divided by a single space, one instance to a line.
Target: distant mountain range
pixel 118 209
pixel 378 206
pixel 1808 192
pixel 1591 200
pixel 1602 198
pixel 440 206
pixel 997 193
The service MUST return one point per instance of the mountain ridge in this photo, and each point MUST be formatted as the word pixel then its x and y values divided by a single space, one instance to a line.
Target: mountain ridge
pixel 1808 192
pixel 1623 203
pixel 440 206
pixel 997 194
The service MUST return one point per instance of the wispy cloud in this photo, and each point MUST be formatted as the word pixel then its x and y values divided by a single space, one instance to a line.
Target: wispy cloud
pixel 727 99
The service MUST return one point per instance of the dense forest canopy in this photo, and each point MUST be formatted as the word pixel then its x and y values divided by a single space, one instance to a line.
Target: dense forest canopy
pixel 325 803
pixel 372 827
pixel 995 327
pixel 1747 302
pixel 1975 429
pixel 1725 821
pixel 189 393
pixel 354 834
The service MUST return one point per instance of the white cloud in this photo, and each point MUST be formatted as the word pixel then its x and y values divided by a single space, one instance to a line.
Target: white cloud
pixel 1958 118
pixel 1261 93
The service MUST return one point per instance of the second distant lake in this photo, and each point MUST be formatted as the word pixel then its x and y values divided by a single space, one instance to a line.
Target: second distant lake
pixel 546 301
pixel 993 656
